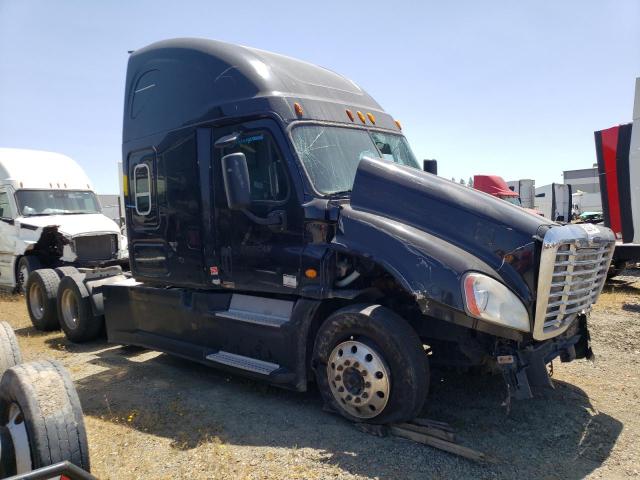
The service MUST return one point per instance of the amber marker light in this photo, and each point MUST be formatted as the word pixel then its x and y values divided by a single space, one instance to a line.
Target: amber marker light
pixel 361 117
pixel 371 118
pixel 298 108
pixel 350 114
pixel 311 273
pixel 398 124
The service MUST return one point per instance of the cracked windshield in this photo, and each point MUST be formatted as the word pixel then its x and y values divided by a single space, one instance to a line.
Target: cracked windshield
pixel 331 154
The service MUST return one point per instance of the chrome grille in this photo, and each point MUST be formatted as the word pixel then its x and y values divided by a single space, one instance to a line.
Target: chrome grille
pixel 94 248
pixel 573 269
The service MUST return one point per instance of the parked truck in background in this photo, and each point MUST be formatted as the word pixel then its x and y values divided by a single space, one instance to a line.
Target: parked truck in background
pixel 526 190
pixel 280 227
pixel 495 186
pixel 50 217
pixel 618 154
pixel 555 201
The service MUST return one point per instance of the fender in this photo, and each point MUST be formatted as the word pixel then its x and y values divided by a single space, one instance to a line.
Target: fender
pixel 427 267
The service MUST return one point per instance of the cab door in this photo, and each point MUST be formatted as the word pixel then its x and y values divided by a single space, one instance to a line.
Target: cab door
pixel 164 214
pixel 7 238
pixel 260 257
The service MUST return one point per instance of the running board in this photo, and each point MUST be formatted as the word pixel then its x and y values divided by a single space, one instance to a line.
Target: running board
pixel 245 363
pixel 268 312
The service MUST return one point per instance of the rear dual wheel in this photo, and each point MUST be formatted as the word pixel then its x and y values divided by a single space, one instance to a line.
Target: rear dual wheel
pixel 77 319
pixel 370 365
pixel 41 292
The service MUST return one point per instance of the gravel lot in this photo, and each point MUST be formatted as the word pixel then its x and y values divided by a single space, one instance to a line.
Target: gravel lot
pixel 153 416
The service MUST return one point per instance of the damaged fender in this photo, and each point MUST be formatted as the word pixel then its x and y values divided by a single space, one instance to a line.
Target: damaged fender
pixel 427 267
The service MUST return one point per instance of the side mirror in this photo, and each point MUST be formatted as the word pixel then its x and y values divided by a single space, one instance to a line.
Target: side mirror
pixel 236 181
pixel 430 166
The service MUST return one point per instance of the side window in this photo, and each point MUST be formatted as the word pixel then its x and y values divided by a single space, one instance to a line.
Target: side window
pixel 266 165
pixel 142 189
pixel 5 206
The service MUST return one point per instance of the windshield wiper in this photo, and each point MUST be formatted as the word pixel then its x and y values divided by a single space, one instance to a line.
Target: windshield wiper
pixel 79 212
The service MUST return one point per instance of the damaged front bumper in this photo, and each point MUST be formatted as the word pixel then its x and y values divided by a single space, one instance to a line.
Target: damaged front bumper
pixel 526 367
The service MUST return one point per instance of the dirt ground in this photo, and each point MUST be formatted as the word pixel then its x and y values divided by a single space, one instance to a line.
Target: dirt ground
pixel 149 415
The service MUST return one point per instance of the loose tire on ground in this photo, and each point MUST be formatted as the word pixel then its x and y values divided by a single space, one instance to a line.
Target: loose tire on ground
pixel 390 346
pixel 41 294
pixel 74 310
pixel 39 398
pixel 10 355
pixel 26 265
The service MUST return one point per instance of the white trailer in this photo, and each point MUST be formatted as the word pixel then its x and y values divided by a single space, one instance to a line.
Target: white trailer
pixel 51 217
pixel 554 201
pixel 526 188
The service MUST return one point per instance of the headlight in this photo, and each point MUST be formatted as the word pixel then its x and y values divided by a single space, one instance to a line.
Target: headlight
pixel 490 300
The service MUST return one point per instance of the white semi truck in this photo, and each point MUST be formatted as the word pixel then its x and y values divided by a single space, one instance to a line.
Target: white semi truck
pixel 50 217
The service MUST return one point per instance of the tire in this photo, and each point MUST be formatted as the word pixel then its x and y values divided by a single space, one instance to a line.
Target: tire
pixel 66 271
pixel 616 268
pixel 10 355
pixel 26 265
pixel 41 295
pixel 39 398
pixel 74 310
pixel 396 391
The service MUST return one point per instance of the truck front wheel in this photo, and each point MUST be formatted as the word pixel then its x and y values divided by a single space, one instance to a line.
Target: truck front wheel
pixel 370 365
pixel 74 309
pixel 26 265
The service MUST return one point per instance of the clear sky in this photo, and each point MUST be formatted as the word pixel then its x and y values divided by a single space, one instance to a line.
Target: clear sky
pixel 514 88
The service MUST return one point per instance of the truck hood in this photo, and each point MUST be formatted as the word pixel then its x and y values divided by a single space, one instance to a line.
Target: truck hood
pixel 498 234
pixel 72 225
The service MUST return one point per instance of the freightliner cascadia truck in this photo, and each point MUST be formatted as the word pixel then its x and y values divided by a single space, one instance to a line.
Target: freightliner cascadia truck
pixel 280 227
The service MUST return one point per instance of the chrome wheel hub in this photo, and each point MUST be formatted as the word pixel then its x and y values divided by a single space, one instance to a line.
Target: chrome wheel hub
pixel 69 309
pixel 36 300
pixel 359 379
pixel 18 431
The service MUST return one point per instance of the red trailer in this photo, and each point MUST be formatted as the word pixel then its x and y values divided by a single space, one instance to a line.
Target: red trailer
pixel 618 153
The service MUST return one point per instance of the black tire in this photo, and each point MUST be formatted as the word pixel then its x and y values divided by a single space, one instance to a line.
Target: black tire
pixel 43 285
pixel 74 310
pixel 395 341
pixel 31 264
pixel 49 405
pixel 66 271
pixel 10 355
pixel 616 268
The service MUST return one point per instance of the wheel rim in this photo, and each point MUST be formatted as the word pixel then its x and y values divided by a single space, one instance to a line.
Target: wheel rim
pixel 359 379
pixel 18 431
pixel 23 275
pixel 36 300
pixel 69 307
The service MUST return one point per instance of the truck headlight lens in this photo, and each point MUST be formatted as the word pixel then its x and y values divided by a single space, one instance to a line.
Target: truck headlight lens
pixel 490 300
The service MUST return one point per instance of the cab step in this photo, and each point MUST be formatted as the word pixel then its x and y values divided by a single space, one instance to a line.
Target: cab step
pixel 245 363
pixel 268 312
